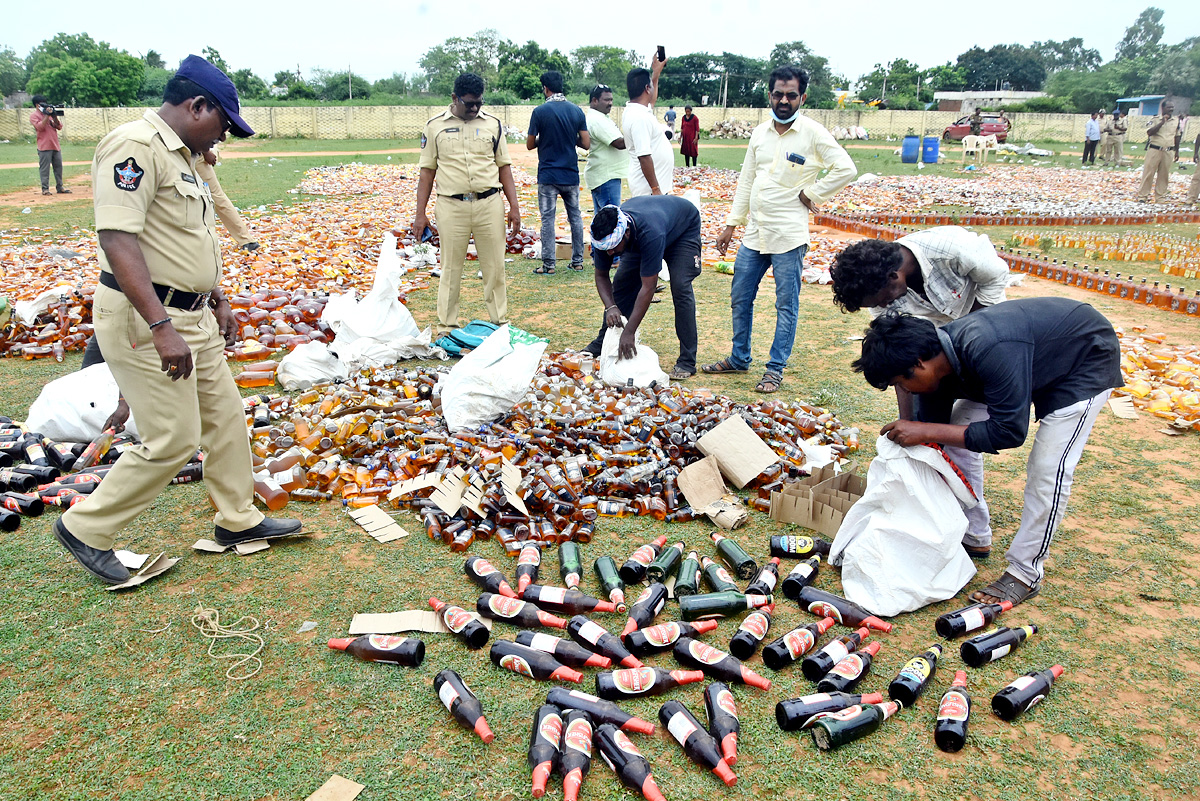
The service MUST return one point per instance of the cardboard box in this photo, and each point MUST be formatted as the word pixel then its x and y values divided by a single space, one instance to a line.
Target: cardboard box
pixel 740 453
pixel 705 491
pixel 820 501
pixel 562 250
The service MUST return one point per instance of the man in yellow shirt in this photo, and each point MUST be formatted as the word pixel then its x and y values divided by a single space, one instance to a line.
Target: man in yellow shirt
pixel 780 184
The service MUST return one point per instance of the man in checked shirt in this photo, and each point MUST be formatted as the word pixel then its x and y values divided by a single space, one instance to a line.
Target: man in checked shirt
pixel 939 274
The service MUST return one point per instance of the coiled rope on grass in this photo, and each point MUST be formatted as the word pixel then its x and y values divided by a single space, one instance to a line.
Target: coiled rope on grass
pixel 208 621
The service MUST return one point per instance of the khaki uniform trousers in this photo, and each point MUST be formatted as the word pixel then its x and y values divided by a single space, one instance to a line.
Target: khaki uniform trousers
pixel 1155 173
pixel 1194 187
pixel 457 220
pixel 1115 152
pixel 173 419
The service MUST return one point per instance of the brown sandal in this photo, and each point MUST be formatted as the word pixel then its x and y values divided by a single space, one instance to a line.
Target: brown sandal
pixel 770 382
pixel 723 366
pixel 1007 588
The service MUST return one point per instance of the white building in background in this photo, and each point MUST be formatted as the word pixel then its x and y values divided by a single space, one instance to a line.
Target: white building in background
pixel 966 102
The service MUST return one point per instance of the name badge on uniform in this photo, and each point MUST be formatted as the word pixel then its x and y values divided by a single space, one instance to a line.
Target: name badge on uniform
pixel 450 130
pixel 187 177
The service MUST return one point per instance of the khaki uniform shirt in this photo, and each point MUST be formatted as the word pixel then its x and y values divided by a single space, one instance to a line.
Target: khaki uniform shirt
pixel 1119 127
pixel 1165 137
pixel 145 183
pixel 466 155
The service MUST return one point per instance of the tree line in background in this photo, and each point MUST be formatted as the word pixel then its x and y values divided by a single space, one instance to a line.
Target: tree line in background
pixel 74 69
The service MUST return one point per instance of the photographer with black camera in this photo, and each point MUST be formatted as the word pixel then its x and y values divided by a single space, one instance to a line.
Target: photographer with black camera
pixel 47 121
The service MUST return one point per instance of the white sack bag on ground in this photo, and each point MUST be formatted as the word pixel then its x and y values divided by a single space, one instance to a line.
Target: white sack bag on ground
pixel 488 381
pixel 308 364
pixel 73 408
pixel 27 311
pixel 379 315
pixel 643 368
pixel 900 545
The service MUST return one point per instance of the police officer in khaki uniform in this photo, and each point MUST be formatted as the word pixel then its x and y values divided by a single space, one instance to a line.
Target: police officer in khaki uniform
pixel 1105 131
pixel 1160 139
pixel 162 321
pixel 1116 138
pixel 466 151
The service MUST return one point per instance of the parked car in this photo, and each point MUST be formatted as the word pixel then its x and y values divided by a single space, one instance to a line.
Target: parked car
pixel 992 124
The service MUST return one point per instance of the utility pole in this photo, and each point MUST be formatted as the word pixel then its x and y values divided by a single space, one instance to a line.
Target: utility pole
pixel 349 82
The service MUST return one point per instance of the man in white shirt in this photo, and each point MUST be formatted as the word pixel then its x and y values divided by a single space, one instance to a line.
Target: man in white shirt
pixel 651 158
pixel 1091 139
pixel 939 274
pixel 780 183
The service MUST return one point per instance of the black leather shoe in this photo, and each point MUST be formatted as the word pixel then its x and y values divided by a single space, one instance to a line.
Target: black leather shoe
pixel 269 528
pixel 104 565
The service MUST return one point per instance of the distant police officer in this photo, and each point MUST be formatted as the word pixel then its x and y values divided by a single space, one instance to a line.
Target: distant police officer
pixel 163 323
pixel 1160 155
pixel 467 152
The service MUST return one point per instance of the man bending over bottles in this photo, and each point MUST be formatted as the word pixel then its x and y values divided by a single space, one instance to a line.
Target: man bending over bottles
pixel 1058 355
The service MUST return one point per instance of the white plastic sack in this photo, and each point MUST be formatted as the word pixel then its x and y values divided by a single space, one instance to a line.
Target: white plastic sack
pixel 73 408
pixel 379 315
pixel 367 352
pixel 28 310
pixel 310 363
pixel 642 369
pixel 488 381
pixel 900 545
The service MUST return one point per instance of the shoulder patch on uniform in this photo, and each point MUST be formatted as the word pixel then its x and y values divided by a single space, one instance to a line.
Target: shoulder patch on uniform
pixel 424 139
pixel 128 175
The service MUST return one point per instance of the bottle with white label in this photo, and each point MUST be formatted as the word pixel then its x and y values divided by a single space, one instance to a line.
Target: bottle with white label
pixel 765 580
pixel 403 651
pixel 719 604
pixel 953 716
pixel 749 636
pixel 853 723
pixel 795 714
pixel 564 601
pixel 817 664
pixel 969 618
pixel 698 744
pixel 795 644
pixel 458 699
pixel 642 682
pixel 801 576
pixel 914 677
pixel 992 645
pixel 594 637
pixel 564 651
pixel 1024 693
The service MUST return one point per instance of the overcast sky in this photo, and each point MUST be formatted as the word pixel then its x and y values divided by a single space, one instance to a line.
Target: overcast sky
pixel 378 38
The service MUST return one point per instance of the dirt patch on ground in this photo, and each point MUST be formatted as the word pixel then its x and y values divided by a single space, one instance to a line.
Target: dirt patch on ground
pixel 80 186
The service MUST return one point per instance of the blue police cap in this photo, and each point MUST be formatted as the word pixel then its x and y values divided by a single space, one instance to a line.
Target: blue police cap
pixel 217 84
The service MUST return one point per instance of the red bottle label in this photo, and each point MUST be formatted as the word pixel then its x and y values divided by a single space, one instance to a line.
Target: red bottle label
pixel 11 505
pixel 645 594
pixel 456 618
pixel 725 701
pixel 798 642
pixel 579 737
pixel 623 743
pixel 643 556
pixel 518 665
pixel 634 680
pixel 551 728
pixel 849 713
pixel 705 653
pixel 822 609
pixel 954 706
pixel 851 667
pixel 482 567
pixel 757 624
pixel 383 642
pixel 664 634
pixel 505 606
pixel 530 556
pixel 723 575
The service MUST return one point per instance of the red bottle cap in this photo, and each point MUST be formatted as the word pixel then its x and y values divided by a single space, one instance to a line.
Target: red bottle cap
pixel 632 661
pixel 571 783
pixel 726 775
pixel 705 626
pixel 661 542
pixel 825 624
pixel 484 730
pixel 638 725
pixel 523 584
pixel 1005 606
pixel 436 604
pixel 960 678
pixel 729 748
pixel 650 789
pixel 872 648
pixel 688 676
pixel 630 626
pixel 605 606
pixel 552 621
pixel 775 560
pixel 769 608
pixel 863 633
pixel 506 589
pixel 565 673
pixel 541 774
pixel 339 644
pixel 755 680
pixel 597 660
pixel 1057 670
pixel 872 698
pixel 877 624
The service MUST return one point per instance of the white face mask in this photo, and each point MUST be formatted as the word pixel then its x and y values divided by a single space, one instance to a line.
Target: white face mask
pixel 782 121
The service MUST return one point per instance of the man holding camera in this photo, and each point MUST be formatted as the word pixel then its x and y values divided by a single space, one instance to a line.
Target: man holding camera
pixel 47 121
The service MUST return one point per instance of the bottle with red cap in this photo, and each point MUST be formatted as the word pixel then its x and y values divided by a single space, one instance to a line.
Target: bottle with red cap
pixel 485 574
pixel 525 661
pixel 516 612
pixel 817 664
pixel 723 723
pixel 656 639
pixel 593 636
pixel 969 618
pixel 575 758
pixel 384 648
pixel 564 601
pixel 564 651
pixel 600 710
pixel 795 714
pixel 458 699
pixel 765 580
pixel 992 645
pixel 626 761
pixel 634 569
pixel 914 677
pixel 953 715
pixel 849 671
pixel 717 576
pixel 698 744
pixel 795 644
pixel 716 663
pixel 1024 692
pixel 749 636
pixel 544 746
pixel 646 608
pixel 529 561
pixel 22 504
pixel 853 723
pixel 642 682
pixel 802 575
pixel 611 585
pixel 16 481
pixel 459 621
pixel 826 604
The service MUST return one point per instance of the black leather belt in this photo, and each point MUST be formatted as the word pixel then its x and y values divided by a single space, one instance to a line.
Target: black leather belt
pixel 170 297
pixel 1155 147
pixel 469 196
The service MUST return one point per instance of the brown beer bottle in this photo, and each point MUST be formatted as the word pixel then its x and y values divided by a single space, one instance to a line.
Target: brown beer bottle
pixel 749 635
pixel 575 758
pixel 992 645
pixel 914 677
pixel 716 663
pixel 626 761
pixel 723 723
pixel 516 612
pixel 528 564
pixel 634 569
pixel 698 744
pixel 646 608
pixel 404 651
pixel 459 621
pixel 483 573
pixel 460 702
pixel 564 651
pixel 766 579
pixel 600 710
pixel 594 637
pixel 656 639
pixel 640 682
pixel 795 644
pixel 565 601
pixel 953 716
pixel 1024 692
pixel 533 664
pixel 544 746
pixel 826 604
pixel 818 664
pixel 849 671
pixel 802 575
pixel 969 618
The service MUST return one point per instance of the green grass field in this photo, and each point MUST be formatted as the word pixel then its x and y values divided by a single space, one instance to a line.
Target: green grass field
pixel 113 696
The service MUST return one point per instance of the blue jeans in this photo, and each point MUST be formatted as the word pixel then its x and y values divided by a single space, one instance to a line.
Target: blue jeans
pixel 748 270
pixel 548 195
pixel 606 194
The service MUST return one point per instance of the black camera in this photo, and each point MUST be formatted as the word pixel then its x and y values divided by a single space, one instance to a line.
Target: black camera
pixel 50 111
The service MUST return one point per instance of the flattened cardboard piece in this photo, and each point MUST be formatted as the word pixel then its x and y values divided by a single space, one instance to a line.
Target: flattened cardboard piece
pixel 154 567
pixel 701 483
pixel 821 500
pixel 337 788
pixel 741 454
pixel 241 548
pixel 423 481
pixel 131 560
pixel 209 546
pixel 727 512
pixel 253 546
pixel 409 620
pixel 510 479
pixel 1123 407
pixel 448 495
pixel 472 496
pixel 378 523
